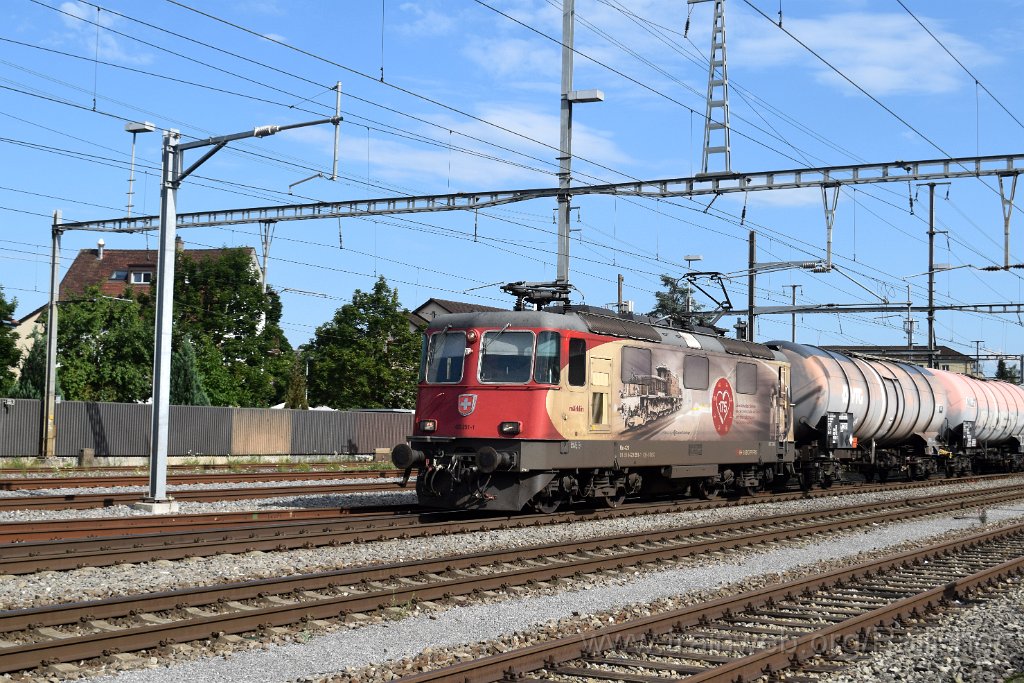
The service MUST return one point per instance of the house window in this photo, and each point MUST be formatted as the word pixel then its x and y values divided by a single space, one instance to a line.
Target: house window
pixel 119 275
pixel 142 277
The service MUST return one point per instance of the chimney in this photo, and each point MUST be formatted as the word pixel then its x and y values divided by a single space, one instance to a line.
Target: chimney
pixel 99 249
pixel 179 244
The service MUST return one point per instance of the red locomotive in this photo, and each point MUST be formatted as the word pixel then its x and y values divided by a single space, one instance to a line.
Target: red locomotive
pixel 538 409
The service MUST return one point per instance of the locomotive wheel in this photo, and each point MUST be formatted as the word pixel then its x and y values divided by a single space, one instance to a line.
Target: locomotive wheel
pixel 707 489
pixel 547 504
pixel 615 500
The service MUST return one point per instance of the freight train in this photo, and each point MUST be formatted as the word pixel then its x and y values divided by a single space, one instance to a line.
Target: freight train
pixel 538 409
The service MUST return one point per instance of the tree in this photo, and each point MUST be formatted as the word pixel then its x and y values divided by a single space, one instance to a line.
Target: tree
pixel 105 349
pixel 9 352
pixel 1007 373
pixel 671 303
pixel 32 378
pixel 296 396
pixel 367 356
pixel 242 355
pixel 186 386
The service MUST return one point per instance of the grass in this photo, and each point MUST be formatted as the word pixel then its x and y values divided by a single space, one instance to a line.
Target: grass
pixel 20 464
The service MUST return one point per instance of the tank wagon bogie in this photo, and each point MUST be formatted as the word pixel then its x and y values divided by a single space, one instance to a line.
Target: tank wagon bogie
pixel 537 409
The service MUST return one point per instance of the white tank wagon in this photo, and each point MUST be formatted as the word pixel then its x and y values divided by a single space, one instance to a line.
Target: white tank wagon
pixel 903 417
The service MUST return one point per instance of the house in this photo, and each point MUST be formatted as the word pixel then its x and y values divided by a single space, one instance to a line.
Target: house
pixel 23 330
pixel 114 269
pixel 945 357
pixel 421 317
pixel 111 270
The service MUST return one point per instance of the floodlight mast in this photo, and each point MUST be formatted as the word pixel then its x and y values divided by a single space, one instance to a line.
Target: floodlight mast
pixel 171 177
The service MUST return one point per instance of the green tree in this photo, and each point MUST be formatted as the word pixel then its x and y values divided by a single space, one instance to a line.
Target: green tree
pixel 671 303
pixel 296 396
pixel 32 378
pixel 186 386
pixel 9 353
pixel 1007 373
pixel 366 356
pixel 105 349
pixel 242 355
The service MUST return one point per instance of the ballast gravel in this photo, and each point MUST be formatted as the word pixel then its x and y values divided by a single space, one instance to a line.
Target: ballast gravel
pixel 385 650
pixel 91 583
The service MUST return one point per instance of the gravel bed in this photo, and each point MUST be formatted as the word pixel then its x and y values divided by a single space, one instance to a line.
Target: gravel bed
pixel 91 583
pixel 978 643
pixel 430 638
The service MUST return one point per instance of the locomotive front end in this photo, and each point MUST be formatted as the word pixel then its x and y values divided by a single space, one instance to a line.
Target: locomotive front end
pixel 484 381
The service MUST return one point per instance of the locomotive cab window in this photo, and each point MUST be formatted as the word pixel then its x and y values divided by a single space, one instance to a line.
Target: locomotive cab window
pixel 506 357
pixel 577 362
pixel 746 378
pixel 446 354
pixel 549 361
pixel 695 372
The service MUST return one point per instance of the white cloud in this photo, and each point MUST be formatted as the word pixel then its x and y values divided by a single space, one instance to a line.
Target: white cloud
pixel 424 22
pixel 503 57
pixel 883 53
pixel 81 20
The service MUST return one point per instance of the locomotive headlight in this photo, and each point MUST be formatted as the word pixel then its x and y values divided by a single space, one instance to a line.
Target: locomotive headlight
pixel 428 425
pixel 510 428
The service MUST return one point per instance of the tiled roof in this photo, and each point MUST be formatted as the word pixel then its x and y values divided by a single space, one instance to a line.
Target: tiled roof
pixel 460 306
pixel 88 269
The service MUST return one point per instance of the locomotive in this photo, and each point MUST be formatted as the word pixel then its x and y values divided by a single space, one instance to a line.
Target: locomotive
pixel 538 409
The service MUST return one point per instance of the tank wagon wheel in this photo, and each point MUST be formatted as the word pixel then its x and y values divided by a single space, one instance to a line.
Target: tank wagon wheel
pixel 706 489
pixel 826 481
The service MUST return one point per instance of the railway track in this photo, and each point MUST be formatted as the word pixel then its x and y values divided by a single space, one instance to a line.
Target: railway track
pixel 60 482
pixel 819 624
pixel 283 466
pixel 38 546
pixel 85 630
pixel 81 501
pixel 100 500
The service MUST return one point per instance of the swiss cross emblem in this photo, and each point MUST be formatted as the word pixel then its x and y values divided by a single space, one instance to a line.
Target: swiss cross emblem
pixel 467 404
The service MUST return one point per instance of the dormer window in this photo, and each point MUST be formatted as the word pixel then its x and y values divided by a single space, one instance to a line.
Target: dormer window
pixel 119 275
pixel 142 277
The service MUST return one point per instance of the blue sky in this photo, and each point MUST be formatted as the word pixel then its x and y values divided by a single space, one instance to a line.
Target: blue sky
pixel 469 103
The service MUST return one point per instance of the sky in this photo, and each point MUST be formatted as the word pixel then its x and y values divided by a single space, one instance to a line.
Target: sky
pixel 463 96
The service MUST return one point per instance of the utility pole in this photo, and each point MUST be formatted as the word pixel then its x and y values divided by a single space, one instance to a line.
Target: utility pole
pixel 569 97
pixel 931 272
pixel 48 445
pixel 792 321
pixel 171 177
pixel 977 356
pixel 751 282
pixel 266 237
pixel 620 307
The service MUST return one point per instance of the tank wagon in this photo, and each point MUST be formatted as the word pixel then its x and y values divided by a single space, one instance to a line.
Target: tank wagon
pixel 903 418
pixel 538 409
